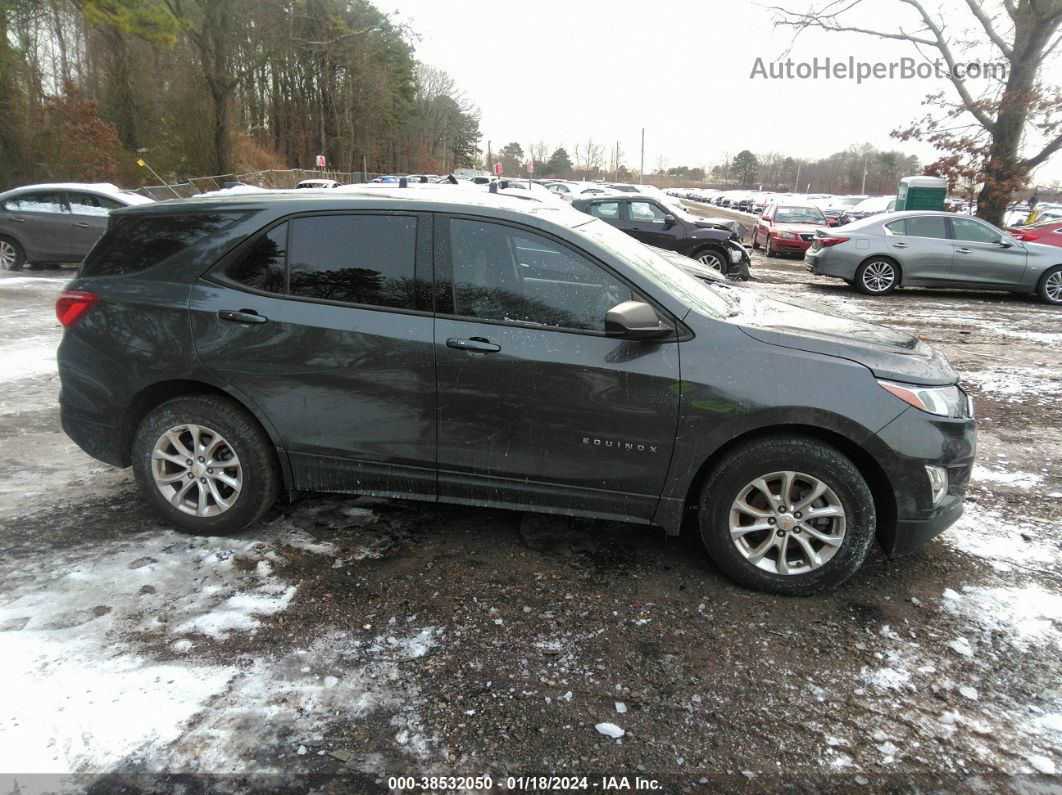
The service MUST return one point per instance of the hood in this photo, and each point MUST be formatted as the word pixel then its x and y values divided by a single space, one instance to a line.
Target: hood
pixel 888 353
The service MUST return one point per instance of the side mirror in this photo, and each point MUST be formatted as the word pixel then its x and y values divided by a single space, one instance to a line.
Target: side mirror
pixel 1004 243
pixel 634 320
pixel 669 221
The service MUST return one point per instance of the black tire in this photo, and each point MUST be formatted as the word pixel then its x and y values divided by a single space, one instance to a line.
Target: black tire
pixel 258 464
pixel 1050 285
pixel 755 244
pixel 768 250
pixel 718 261
pixel 813 458
pixel 871 278
pixel 12 246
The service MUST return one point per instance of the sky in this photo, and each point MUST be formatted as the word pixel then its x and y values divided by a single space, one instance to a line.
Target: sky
pixel 562 71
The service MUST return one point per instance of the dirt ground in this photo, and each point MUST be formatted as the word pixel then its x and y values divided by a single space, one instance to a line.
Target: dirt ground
pixel 346 641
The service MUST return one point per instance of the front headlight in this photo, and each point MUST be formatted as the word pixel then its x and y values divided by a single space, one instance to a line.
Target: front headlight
pixel 944 401
pixel 736 255
pixel 787 235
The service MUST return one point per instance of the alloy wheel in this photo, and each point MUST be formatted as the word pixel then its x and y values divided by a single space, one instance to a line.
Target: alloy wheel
pixel 712 260
pixel 1053 287
pixel 787 523
pixel 879 276
pixel 196 470
pixel 8 256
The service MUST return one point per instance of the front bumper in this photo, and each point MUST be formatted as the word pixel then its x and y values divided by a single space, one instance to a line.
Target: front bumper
pixel 790 245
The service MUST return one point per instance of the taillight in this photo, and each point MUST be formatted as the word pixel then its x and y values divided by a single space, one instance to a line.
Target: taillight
pixel 830 240
pixel 1022 236
pixel 72 306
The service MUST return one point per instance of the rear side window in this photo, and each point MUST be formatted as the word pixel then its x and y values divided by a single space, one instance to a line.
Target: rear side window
pixel 92 204
pixel 134 243
pixel 43 202
pixel 357 259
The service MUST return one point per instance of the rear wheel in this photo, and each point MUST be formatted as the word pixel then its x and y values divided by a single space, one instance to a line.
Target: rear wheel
pixel 1050 287
pixel 205 465
pixel 12 257
pixel 877 276
pixel 787 515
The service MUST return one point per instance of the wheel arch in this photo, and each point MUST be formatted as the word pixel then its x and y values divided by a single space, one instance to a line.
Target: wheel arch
pixel 877 479
pixel 890 258
pixel 159 392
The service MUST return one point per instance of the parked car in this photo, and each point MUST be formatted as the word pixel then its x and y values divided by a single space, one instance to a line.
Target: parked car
pixel 787 228
pixel 868 207
pixel 569 190
pixel 666 226
pixel 234 349
pixel 1048 233
pixel 56 223
pixel 834 207
pixel 935 249
pixel 317 183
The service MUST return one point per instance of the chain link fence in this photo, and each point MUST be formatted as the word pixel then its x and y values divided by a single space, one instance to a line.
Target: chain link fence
pixel 269 178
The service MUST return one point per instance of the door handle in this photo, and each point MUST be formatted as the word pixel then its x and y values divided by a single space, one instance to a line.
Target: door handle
pixel 241 316
pixel 81 225
pixel 963 251
pixel 19 220
pixel 899 245
pixel 476 344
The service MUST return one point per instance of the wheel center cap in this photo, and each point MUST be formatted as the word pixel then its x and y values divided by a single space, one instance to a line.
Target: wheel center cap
pixel 786 522
pixel 198 469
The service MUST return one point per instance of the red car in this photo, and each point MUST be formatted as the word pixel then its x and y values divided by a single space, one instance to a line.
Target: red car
pixel 787 228
pixel 1047 232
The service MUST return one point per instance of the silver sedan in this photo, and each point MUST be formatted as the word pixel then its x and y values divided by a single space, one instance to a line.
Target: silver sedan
pixel 934 249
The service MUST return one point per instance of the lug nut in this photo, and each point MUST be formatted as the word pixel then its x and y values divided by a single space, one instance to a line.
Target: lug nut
pixel 781 509
pixel 781 533
pixel 201 459
pixel 771 520
pixel 188 462
pixel 202 480
pixel 191 475
pixel 797 514
pixel 210 471
pixel 796 529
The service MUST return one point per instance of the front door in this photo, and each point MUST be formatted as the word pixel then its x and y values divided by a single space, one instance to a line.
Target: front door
pixel 647 221
pixel 984 257
pixel 537 407
pixel 322 323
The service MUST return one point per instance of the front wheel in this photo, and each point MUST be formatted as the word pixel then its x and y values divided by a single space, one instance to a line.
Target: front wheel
pixel 755 241
pixel 768 249
pixel 1050 287
pixel 713 259
pixel 877 276
pixel 787 515
pixel 205 465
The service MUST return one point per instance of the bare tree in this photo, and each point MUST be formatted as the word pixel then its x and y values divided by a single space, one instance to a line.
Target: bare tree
pixel 992 125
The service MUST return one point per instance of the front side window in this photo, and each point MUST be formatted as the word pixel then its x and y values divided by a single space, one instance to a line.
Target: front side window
pixel 927 226
pixel 974 231
pixel 610 211
pixel 92 204
pixel 508 274
pixel 357 259
pixel 43 202
pixel 646 211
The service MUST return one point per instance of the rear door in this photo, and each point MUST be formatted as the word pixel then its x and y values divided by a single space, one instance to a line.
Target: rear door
pixel 40 221
pixel 324 322
pixel 984 257
pixel 922 246
pixel 537 407
pixel 88 218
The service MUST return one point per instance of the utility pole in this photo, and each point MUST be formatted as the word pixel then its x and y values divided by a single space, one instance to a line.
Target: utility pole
pixel 490 157
pixel 863 186
pixel 641 167
pixel 796 182
pixel 615 167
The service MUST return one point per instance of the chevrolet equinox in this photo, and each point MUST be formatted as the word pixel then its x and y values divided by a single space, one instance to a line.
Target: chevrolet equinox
pixel 454 347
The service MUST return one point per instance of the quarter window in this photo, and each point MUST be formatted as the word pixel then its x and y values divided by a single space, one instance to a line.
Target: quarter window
pixel 501 273
pixel 646 211
pixel 357 259
pixel 264 265
pixel 973 231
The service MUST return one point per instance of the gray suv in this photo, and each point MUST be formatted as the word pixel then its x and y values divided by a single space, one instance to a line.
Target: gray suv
pixel 442 346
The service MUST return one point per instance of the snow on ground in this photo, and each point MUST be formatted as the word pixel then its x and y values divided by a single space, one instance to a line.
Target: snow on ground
pixel 89 696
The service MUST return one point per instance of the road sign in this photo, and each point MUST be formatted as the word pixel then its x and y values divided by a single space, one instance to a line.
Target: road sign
pixel 497 169
pixel 320 161
pixel 530 166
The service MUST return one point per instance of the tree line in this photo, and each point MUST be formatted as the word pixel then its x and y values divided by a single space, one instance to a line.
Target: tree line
pixel 197 87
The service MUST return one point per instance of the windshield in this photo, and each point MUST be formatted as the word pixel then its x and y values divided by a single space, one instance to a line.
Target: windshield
pixel 689 290
pixel 799 215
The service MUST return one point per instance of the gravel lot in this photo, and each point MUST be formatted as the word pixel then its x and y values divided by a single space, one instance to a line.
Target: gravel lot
pixel 347 640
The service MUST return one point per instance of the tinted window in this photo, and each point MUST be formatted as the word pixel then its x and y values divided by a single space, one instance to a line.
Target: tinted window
pixel 135 242
pixel 646 211
pixel 358 259
pixel 501 273
pixel 264 265
pixel 92 204
pixel 965 229
pixel 43 202
pixel 926 226
pixel 607 210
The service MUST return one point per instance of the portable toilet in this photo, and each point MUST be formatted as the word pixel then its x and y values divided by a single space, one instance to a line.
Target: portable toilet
pixel 921 193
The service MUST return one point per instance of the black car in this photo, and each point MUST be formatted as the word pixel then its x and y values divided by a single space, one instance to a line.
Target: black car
pixel 490 351
pixel 665 226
